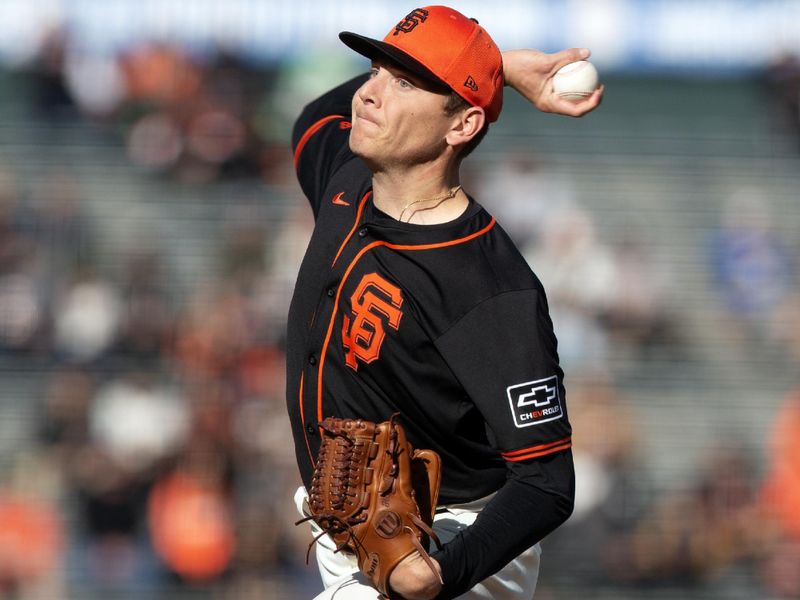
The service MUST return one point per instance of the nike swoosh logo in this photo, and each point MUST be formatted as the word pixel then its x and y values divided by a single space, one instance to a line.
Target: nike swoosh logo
pixel 337 199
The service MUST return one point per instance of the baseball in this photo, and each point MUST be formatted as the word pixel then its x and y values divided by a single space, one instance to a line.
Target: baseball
pixel 576 81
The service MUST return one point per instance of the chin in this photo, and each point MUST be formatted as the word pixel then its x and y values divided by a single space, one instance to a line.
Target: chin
pixel 360 147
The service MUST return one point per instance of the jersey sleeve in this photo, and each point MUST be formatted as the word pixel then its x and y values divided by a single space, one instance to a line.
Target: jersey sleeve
pixel 320 139
pixel 543 490
pixel 504 354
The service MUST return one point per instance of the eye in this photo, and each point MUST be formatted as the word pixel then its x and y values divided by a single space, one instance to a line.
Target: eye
pixel 405 84
pixel 373 71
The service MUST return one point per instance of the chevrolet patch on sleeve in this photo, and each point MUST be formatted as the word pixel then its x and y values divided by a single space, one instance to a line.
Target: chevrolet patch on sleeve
pixel 535 402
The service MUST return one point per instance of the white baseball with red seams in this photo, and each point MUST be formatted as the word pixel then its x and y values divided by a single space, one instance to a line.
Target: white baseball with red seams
pixel 576 81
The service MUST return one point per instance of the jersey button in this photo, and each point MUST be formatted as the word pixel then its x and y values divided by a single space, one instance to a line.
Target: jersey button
pixel 312 360
pixel 363 232
pixel 331 292
pixel 311 429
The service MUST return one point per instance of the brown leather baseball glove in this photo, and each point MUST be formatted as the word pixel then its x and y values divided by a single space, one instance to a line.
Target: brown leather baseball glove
pixel 374 495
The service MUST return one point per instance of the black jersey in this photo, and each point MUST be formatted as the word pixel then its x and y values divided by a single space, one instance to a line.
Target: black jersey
pixel 445 324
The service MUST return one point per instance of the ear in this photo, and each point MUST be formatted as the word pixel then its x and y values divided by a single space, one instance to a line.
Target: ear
pixel 466 126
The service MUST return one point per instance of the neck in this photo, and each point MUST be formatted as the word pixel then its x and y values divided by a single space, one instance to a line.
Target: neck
pixel 420 195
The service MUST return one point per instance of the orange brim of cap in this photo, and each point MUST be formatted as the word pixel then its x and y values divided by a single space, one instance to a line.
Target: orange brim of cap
pixel 373 49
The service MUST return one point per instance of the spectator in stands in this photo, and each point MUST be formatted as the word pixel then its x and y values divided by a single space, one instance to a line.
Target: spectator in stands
pixel 781 496
pixel 135 425
pixel 63 228
pixel 23 295
pixel 31 546
pixel 198 116
pixel 610 493
pixel 147 315
pixel 51 99
pixel 638 318
pixel 782 82
pixel 522 193
pixel 785 327
pixel 580 275
pixel 86 318
pixel 691 536
pixel 751 263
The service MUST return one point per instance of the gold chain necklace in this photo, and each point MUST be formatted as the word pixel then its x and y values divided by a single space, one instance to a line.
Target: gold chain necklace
pixel 438 199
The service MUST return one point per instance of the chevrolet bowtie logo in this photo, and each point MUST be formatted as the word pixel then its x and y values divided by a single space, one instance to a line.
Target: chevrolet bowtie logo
pixel 541 395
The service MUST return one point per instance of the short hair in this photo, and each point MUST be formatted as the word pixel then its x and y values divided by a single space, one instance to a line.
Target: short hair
pixel 453 104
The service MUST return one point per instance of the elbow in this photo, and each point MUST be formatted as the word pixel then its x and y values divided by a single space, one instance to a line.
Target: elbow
pixel 564 491
pixel 565 505
pixel 566 501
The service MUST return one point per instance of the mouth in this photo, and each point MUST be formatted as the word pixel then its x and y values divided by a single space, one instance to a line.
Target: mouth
pixel 360 117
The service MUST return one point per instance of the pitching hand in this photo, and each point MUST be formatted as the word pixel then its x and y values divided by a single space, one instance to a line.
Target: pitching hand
pixel 413 580
pixel 530 72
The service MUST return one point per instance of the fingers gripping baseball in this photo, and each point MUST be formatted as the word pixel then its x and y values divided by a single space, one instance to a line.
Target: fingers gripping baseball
pixel 531 73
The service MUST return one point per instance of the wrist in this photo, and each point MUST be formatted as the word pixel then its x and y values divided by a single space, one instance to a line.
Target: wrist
pixel 509 57
pixel 413 579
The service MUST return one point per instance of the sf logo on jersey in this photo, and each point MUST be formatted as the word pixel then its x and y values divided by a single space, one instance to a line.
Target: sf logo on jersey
pixel 375 304
pixel 535 402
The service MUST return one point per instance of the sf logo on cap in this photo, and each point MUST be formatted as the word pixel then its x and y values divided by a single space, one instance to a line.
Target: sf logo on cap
pixel 412 19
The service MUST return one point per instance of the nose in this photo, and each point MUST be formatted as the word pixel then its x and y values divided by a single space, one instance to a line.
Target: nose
pixel 370 91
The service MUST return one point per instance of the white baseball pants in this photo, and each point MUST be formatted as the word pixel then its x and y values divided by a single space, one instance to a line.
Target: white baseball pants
pixel 343 581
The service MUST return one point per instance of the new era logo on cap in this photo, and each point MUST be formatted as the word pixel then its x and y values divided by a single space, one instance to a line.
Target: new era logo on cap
pixel 470 83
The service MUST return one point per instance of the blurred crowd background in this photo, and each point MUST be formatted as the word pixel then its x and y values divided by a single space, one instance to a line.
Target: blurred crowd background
pixel 151 229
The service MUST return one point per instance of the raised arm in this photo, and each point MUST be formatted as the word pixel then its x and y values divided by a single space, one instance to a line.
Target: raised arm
pixel 530 73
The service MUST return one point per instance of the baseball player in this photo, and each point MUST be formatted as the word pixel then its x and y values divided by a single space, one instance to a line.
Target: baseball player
pixel 411 298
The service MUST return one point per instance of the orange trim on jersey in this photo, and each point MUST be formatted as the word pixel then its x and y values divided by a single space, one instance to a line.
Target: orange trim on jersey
pixel 309 132
pixel 355 225
pixel 537 451
pixel 362 252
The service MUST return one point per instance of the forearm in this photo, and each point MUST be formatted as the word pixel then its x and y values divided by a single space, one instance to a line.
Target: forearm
pixel 533 502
